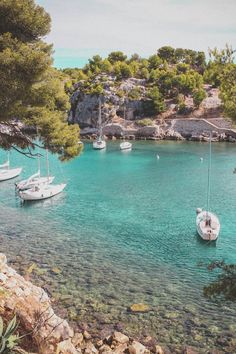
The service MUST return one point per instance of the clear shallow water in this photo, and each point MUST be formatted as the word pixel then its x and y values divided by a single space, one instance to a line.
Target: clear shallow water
pixel 124 232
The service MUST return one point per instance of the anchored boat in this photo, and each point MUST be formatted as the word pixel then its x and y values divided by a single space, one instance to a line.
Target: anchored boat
pixel 8 173
pixel 99 144
pixel 125 145
pixel 207 223
pixel 35 179
pixel 42 192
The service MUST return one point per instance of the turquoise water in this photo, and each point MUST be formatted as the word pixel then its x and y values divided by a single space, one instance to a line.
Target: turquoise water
pixel 123 232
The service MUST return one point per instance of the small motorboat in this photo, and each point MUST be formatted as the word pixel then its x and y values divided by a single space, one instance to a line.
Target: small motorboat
pixel 99 144
pixel 208 225
pixel 125 145
pixel 42 192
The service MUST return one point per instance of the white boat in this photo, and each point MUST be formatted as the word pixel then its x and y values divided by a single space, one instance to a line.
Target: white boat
pixel 125 145
pixel 207 223
pixel 99 143
pixel 36 179
pixel 42 192
pixel 8 173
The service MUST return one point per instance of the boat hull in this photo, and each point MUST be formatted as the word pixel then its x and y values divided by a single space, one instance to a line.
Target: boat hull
pixel 208 226
pixel 9 173
pixel 126 146
pixel 25 184
pixel 41 193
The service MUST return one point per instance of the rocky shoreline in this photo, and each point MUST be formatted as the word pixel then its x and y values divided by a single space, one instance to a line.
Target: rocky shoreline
pixel 192 129
pixel 49 334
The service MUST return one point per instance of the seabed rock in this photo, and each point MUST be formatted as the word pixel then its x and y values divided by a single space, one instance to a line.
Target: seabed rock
pixel 142 308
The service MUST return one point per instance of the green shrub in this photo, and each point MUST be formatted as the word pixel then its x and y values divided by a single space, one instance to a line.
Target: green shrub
pixel 144 122
pixel 8 340
pixel 135 93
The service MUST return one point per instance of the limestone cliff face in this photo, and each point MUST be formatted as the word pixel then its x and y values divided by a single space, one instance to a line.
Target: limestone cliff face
pixel 84 107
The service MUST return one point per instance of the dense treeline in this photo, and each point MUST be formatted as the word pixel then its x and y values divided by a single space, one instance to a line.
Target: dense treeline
pixel 169 74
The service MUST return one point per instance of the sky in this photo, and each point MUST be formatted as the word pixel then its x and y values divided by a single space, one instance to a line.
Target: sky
pixel 83 28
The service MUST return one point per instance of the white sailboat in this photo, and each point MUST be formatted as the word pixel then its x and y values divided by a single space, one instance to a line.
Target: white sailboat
pixel 35 179
pixel 207 223
pixel 42 191
pixel 8 173
pixel 99 143
pixel 125 145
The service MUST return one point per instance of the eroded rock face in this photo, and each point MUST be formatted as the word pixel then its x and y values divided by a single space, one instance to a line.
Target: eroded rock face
pixel 150 131
pixel 84 107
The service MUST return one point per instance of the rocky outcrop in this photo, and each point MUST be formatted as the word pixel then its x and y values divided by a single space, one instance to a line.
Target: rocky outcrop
pixel 150 132
pixel 84 107
pixel 33 309
pixel 114 129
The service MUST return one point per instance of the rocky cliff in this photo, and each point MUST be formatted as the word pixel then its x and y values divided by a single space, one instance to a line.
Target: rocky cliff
pixel 124 116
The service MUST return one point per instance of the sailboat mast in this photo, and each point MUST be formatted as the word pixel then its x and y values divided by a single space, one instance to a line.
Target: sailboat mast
pixel 8 160
pixel 39 165
pixel 100 118
pixel 47 163
pixel 209 177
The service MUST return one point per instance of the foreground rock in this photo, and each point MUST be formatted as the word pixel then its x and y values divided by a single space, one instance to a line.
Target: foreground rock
pixel 33 309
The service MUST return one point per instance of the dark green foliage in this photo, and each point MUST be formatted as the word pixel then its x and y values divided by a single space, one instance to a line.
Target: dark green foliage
pixel 144 122
pixel 134 94
pixel 155 103
pixel 219 59
pixel 167 53
pixel 155 62
pixel 225 284
pixel 122 70
pixel 198 97
pixel 30 89
pixel 24 19
pixel 171 74
pixel 228 90
pixel 116 56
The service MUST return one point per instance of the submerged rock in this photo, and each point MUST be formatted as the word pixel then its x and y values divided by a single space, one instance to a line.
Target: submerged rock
pixel 139 308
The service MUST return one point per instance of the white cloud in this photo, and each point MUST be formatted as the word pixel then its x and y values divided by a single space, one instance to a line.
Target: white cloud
pixel 140 25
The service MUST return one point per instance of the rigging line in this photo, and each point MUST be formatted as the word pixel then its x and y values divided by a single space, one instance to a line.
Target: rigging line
pixel 209 177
